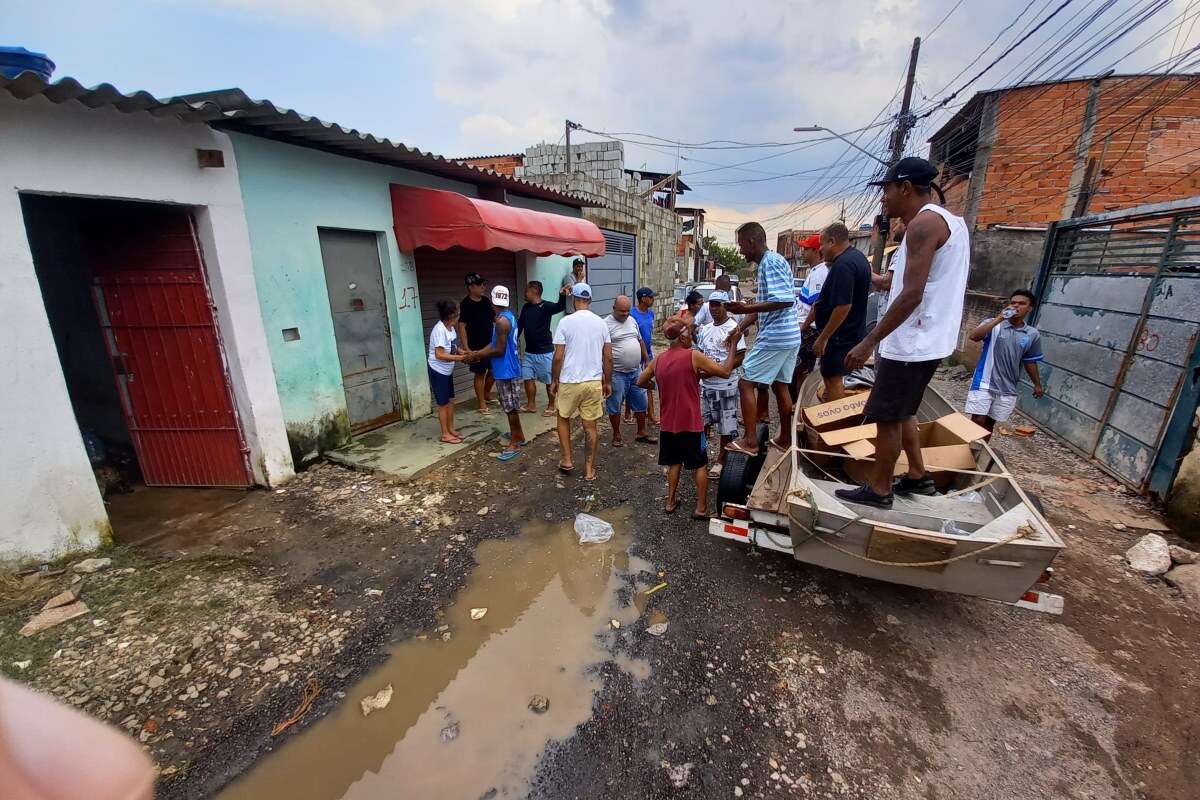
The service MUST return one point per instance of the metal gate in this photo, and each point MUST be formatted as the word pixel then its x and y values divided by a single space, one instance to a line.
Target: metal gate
pixel 613 273
pixel 1119 309
pixel 150 296
pixel 354 280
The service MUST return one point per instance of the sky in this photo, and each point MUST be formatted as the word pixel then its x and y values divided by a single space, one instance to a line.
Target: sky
pixel 475 77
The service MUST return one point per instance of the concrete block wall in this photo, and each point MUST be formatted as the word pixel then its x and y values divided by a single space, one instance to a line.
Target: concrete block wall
pixel 657 229
pixel 603 161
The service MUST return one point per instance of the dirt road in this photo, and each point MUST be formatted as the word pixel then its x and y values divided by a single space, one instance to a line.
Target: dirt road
pixel 771 679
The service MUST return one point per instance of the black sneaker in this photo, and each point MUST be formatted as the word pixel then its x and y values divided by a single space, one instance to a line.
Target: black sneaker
pixel 865 495
pixel 922 485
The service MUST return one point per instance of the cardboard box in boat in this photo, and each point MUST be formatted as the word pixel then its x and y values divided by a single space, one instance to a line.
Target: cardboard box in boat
pixel 945 445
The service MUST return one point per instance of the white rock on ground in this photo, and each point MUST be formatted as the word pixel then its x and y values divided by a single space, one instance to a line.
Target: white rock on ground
pixel 1150 556
pixel 1181 555
pixel 90 565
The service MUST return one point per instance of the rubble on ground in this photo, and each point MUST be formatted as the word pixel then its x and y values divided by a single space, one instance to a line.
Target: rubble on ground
pixel 169 650
pixel 1186 578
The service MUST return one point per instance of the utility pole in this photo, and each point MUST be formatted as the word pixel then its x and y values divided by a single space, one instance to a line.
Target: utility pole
pixel 570 127
pixel 904 124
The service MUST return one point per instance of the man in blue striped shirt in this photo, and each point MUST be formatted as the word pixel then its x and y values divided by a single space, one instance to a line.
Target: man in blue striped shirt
pixel 772 359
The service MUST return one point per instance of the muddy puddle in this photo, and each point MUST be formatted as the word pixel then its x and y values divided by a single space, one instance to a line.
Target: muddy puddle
pixel 459 724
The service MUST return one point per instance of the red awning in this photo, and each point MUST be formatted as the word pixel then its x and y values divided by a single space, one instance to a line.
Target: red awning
pixel 440 219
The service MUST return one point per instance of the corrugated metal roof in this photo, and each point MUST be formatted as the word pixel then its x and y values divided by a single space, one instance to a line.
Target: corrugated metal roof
pixel 485 158
pixel 233 109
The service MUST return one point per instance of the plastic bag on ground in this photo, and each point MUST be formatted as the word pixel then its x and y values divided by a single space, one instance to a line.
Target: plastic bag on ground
pixel 592 530
pixel 971 497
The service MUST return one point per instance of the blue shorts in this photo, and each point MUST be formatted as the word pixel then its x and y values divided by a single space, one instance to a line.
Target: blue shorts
pixel 442 386
pixel 625 390
pixel 770 366
pixel 536 367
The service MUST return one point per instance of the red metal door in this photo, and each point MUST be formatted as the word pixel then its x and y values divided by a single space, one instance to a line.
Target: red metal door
pixel 153 304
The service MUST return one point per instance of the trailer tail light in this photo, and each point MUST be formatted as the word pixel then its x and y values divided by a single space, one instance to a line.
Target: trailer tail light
pixel 735 512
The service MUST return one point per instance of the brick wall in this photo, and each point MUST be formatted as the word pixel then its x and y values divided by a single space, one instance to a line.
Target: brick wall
pixel 956 190
pixel 505 165
pixel 1152 155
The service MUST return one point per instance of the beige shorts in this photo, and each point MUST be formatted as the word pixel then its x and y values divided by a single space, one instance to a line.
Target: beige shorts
pixel 585 399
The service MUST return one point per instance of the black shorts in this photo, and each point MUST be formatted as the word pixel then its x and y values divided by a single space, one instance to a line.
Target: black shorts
pixel 898 390
pixel 833 362
pixel 480 367
pixel 681 448
pixel 807 359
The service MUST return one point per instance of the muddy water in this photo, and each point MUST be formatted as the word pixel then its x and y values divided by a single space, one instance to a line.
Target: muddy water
pixel 459 724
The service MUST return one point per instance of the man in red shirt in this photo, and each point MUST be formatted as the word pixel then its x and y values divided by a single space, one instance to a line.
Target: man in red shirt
pixel 678 371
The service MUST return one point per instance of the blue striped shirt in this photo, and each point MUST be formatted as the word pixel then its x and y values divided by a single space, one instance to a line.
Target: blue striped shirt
pixel 777 330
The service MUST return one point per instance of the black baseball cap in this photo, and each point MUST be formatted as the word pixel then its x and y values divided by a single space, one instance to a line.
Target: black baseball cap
pixel 917 170
pixel 474 279
pixel 645 291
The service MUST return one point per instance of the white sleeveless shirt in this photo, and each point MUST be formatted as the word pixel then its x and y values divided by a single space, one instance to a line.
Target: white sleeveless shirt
pixel 931 331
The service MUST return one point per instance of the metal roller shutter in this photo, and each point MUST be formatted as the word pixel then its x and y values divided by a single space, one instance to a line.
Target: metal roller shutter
pixel 440 277
pixel 613 273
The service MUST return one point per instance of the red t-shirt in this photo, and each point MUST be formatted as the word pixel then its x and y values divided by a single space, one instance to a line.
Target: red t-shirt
pixel 679 388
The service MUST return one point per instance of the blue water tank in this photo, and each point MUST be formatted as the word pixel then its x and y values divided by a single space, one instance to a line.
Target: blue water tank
pixel 15 60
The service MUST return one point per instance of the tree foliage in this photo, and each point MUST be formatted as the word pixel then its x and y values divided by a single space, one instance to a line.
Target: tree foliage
pixel 729 257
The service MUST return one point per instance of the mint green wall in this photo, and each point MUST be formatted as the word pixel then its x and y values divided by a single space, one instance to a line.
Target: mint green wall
pixel 550 271
pixel 289 192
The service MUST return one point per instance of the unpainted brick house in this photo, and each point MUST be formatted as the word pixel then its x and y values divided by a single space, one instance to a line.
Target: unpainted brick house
pixel 1014 160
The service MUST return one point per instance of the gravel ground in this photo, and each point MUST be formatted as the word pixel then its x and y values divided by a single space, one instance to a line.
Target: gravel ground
pixel 774 678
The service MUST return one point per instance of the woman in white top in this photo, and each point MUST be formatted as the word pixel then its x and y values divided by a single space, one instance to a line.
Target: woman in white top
pixel 443 352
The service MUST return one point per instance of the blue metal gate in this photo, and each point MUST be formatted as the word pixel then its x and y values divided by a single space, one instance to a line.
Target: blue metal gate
pixel 613 273
pixel 1119 310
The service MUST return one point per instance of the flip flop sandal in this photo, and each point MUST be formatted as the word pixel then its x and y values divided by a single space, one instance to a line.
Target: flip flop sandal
pixel 646 440
pixel 618 444
pixel 672 509
pixel 734 447
pixel 565 470
pixel 508 455
pixel 592 478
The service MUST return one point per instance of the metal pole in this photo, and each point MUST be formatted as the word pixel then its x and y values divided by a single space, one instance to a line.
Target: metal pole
pixel 568 137
pixel 904 124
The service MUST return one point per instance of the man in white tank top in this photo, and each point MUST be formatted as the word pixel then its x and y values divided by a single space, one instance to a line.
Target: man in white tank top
pixel 919 329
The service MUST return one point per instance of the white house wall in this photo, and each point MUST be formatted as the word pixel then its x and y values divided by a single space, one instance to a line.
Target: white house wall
pixel 49 503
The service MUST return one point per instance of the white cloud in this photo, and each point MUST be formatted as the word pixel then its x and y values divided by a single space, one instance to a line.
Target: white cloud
pixel 508 72
pixel 492 133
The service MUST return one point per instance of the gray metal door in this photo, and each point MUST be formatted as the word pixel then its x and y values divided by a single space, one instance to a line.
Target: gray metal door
pixel 1119 313
pixel 357 300
pixel 613 273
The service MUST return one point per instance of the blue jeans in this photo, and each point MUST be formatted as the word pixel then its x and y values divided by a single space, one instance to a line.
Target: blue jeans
pixel 625 390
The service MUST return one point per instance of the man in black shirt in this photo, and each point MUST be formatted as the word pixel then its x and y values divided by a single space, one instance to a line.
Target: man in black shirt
pixel 534 323
pixel 475 321
pixel 842 309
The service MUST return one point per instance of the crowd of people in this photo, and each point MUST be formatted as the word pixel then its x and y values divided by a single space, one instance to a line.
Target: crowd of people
pixel 709 382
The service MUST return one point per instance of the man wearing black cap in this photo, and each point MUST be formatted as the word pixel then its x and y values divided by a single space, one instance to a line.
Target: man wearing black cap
pixel 919 329
pixel 475 321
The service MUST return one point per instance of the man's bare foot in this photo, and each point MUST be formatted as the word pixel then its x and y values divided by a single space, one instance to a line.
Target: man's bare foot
pixel 618 442
pixel 528 410
pixel 450 439
pixel 550 412
pixel 672 505
pixel 484 410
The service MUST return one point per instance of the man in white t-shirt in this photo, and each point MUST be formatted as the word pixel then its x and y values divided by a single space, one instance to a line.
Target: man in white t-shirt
pixel 919 329
pixel 719 397
pixel 581 377
pixel 810 293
